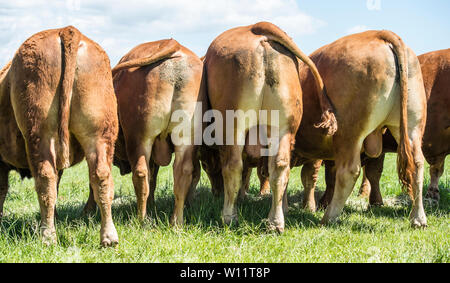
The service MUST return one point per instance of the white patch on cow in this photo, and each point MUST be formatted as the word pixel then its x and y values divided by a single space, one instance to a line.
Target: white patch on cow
pixel 82 48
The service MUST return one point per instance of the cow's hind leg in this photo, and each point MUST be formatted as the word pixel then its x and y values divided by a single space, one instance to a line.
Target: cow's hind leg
pixel 246 174
pixel 99 157
pixel 183 170
pixel 348 168
pixel 4 172
pixel 279 169
pixel 42 162
pixel 154 168
pixel 232 168
pixel 310 175
pixel 373 171
pixel 330 179
pixel 60 174
pixel 139 157
pixel 417 216
pixel 195 180
pixel 90 206
pixel 436 171
pixel 364 190
pixel 263 180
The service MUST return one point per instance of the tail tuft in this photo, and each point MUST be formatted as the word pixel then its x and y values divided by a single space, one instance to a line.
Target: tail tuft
pixel 328 121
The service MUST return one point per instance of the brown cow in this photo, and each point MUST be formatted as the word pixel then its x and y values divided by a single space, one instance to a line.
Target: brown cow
pixel 436 139
pixel 375 82
pixel 152 82
pixel 255 68
pixel 57 107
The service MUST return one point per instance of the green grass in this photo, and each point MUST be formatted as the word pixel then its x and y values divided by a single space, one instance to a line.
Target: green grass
pixel 375 235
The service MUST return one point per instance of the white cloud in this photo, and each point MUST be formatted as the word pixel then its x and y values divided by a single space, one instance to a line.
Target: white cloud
pixel 120 25
pixel 357 29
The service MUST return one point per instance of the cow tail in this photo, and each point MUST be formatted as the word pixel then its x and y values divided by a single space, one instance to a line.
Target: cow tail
pixel 166 51
pixel 405 162
pixel 274 33
pixel 70 40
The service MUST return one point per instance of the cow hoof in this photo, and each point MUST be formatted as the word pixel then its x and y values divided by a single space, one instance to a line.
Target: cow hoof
pixel 275 222
pixel 109 243
pixel 419 223
pixel 48 237
pixel 310 207
pixel 324 222
pixel 176 222
pixel 329 220
pixel 89 210
pixel 433 193
pixel 323 203
pixel 376 204
pixel 230 220
pixel 272 227
pixel 243 197
pixel 109 239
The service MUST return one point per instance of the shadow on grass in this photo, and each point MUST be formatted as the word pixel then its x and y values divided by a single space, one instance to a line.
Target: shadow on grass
pixel 20 228
pixel 205 212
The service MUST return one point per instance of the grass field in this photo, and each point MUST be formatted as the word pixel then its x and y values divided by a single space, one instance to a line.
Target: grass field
pixel 363 235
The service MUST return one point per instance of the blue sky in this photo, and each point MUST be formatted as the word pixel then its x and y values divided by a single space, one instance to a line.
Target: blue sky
pixel 120 25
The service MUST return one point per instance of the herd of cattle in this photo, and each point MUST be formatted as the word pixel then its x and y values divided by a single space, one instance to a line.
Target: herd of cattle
pixel 348 103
